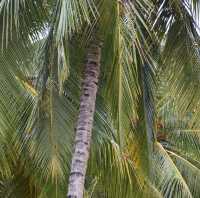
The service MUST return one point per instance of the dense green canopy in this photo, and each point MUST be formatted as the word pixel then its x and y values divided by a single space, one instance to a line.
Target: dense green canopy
pixel 146 133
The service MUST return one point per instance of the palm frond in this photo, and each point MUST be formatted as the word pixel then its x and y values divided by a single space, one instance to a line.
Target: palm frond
pixel 167 177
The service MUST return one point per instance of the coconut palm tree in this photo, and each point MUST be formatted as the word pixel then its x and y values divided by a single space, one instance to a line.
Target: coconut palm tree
pixel 124 139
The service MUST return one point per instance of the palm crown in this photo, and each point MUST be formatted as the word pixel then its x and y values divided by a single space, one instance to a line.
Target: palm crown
pixel 145 139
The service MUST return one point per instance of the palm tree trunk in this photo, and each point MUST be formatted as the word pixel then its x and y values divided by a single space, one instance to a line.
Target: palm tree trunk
pixel 85 122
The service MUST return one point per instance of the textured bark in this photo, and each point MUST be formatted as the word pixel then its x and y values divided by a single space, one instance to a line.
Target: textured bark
pixel 85 123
